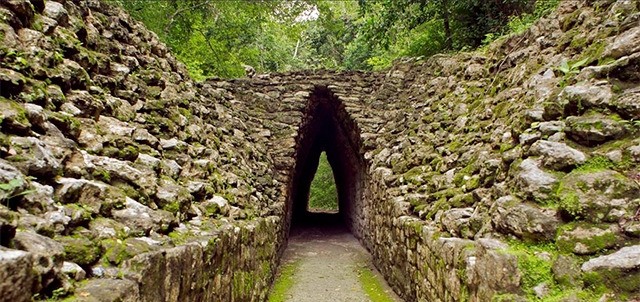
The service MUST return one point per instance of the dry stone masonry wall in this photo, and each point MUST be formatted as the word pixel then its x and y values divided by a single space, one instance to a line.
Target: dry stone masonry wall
pixel 116 166
pixel 501 174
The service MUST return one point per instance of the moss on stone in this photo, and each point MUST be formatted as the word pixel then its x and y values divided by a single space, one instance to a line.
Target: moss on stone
pixel 593 243
pixel 131 192
pixel 504 147
pixel 466 173
pixel 472 183
pixel 159 125
pixel 180 238
pixel 5 140
pixel 535 269
pixel 172 207
pixel 570 203
pixel 102 175
pixel 535 263
pixel 440 205
pixel 186 113
pixel 20 113
pixel 462 200
pixel 80 250
pixel 500 110
pixel 129 152
pixel 596 163
pixel 115 251
pixel 578 43
pixel 591 278
pixel 506 298
pixel 212 209
pixel 413 175
pixel 81 213
pixel 455 146
pixel 66 122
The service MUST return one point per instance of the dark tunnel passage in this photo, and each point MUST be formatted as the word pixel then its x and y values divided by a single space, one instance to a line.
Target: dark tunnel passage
pixel 327 128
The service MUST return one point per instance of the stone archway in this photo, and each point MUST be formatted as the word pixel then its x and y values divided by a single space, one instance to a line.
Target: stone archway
pixel 327 127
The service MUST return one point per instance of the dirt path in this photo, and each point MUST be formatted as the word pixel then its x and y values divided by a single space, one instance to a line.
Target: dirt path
pixel 328 265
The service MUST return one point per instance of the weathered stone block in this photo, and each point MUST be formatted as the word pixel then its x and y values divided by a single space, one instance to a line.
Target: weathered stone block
pixel 17 277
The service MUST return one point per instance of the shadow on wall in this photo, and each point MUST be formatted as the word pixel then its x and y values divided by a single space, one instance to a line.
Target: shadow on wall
pixel 327 127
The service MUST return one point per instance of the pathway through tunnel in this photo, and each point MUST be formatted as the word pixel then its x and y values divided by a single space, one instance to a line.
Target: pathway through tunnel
pixel 324 261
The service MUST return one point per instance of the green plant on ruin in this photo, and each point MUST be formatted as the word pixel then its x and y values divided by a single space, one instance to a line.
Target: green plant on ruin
pixel 596 163
pixel 16 60
pixel 56 295
pixel 102 175
pixel 535 262
pixel 11 186
pixel 570 202
pixel 569 69
pixel 634 123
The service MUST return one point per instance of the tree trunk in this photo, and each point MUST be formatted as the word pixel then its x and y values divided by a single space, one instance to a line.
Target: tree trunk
pixel 295 53
pixel 448 43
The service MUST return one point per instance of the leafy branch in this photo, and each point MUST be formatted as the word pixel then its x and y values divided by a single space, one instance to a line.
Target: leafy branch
pixel 179 12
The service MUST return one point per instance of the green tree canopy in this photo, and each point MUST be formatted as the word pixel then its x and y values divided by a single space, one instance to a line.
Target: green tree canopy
pixel 215 38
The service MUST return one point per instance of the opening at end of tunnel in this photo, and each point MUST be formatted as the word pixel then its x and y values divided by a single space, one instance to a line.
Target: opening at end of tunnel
pixel 326 184
pixel 323 195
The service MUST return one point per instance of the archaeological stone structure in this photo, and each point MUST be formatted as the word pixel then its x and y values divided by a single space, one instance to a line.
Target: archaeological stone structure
pixel 506 174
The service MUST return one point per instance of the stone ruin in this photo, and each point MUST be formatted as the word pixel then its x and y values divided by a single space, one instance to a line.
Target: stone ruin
pixel 498 174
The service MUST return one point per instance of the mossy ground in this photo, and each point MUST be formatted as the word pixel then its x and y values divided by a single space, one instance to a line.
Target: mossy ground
pixel 372 286
pixel 284 281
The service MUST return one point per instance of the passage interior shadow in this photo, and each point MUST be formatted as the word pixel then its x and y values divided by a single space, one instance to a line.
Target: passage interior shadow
pixel 327 128
pixel 318 223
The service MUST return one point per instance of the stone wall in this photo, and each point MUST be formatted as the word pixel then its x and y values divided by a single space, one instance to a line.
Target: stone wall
pixel 505 174
pixel 121 178
pixel 501 174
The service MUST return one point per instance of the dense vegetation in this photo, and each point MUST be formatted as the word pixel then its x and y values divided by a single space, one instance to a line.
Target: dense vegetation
pixel 323 195
pixel 216 38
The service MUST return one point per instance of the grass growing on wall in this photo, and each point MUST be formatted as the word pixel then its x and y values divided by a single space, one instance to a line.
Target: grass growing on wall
pixel 323 195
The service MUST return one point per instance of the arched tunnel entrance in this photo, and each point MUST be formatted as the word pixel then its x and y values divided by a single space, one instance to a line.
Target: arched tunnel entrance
pixel 327 128
pixel 323 259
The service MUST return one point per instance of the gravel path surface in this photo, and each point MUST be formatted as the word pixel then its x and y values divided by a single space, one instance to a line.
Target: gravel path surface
pixel 328 262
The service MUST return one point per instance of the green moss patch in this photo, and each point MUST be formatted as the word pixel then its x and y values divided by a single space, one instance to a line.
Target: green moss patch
pixel 596 163
pixel 535 262
pixel 620 281
pixel 115 251
pixel 584 238
pixel 372 286
pixel 80 250
pixel 535 268
pixel 284 281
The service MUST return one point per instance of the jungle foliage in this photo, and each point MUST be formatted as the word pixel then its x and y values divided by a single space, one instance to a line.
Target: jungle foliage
pixel 323 195
pixel 215 38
